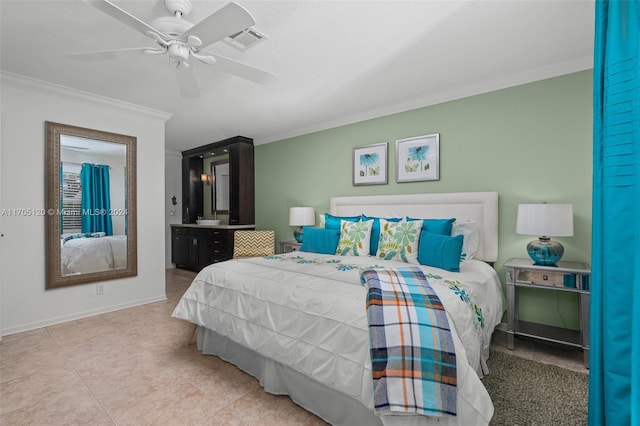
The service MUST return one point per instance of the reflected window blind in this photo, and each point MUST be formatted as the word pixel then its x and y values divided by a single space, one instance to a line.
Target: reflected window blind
pixel 71 196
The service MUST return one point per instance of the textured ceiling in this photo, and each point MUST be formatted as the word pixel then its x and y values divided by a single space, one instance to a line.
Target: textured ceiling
pixel 335 62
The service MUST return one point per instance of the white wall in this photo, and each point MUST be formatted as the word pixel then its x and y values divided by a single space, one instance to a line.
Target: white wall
pixel 26 104
pixel 173 188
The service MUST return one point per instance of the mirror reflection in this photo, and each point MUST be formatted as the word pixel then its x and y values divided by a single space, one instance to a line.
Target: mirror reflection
pixel 220 196
pixel 93 226
pixel 216 185
pixel 91 187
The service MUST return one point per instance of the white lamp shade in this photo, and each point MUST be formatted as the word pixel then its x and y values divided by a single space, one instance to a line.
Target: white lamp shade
pixel 302 216
pixel 548 220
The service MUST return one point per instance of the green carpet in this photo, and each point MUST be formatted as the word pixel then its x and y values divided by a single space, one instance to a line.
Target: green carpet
pixel 526 392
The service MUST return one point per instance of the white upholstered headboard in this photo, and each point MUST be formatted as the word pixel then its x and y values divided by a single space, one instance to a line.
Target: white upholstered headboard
pixel 479 206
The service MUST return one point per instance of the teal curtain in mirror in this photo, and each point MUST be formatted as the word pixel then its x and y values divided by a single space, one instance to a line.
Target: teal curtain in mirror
pixel 96 199
pixel 614 376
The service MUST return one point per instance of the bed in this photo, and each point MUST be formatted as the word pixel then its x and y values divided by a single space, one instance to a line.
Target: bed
pixel 81 254
pixel 298 322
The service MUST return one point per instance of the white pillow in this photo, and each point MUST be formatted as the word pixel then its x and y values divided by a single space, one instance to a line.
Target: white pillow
pixel 469 230
pixel 399 240
pixel 321 220
pixel 354 238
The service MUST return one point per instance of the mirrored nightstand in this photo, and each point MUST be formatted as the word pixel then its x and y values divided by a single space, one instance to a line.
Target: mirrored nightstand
pixel 566 277
pixel 289 246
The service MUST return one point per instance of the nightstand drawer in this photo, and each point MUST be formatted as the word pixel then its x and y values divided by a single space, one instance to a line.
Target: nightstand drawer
pixel 542 277
pixel 289 246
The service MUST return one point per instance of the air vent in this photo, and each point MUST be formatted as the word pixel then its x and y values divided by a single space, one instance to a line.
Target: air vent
pixel 245 39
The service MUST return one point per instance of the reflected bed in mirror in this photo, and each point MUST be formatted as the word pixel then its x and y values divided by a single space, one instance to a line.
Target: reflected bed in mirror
pixel 91 205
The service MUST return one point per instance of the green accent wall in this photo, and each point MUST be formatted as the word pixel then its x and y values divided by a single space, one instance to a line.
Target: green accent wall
pixel 530 143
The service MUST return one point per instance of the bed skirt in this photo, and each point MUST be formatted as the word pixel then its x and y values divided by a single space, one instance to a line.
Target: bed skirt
pixel 321 400
pixel 277 379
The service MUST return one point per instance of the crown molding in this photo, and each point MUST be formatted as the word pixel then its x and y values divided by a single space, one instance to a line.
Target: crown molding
pixel 486 86
pixel 56 90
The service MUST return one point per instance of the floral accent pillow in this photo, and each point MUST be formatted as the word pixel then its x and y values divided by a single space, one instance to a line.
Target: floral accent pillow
pixel 399 240
pixel 469 231
pixel 354 238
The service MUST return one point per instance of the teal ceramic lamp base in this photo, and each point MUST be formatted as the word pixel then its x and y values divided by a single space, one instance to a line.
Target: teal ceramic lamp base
pixel 297 234
pixel 545 252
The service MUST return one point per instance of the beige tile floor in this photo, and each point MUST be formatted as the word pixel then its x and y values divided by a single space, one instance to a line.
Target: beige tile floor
pixel 135 367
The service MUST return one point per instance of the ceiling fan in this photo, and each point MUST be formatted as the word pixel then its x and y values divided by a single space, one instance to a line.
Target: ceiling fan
pixel 183 41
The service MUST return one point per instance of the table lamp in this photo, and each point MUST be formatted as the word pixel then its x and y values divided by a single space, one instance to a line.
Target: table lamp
pixel 301 216
pixel 545 221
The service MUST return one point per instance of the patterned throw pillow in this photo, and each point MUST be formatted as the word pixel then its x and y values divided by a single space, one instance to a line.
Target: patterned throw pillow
pixel 354 238
pixel 254 243
pixel 469 230
pixel 399 240
pixel 375 231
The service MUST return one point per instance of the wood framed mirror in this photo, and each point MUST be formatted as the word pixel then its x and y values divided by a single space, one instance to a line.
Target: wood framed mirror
pixel 91 226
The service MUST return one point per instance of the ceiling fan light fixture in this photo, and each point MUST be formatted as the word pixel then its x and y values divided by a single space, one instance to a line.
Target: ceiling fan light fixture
pixel 178 52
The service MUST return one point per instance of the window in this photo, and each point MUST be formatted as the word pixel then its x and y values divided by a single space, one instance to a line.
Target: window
pixel 71 196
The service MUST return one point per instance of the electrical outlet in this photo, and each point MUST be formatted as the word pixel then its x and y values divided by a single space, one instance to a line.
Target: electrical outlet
pixel 100 289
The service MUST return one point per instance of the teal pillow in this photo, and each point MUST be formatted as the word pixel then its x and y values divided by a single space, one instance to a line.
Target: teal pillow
pixel 440 251
pixel 436 226
pixel 333 222
pixel 375 231
pixel 320 240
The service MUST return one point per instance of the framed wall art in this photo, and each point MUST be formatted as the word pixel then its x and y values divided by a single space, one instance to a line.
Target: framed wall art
pixel 370 164
pixel 418 158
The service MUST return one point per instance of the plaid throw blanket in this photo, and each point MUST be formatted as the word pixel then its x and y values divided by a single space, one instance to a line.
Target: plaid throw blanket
pixel 412 354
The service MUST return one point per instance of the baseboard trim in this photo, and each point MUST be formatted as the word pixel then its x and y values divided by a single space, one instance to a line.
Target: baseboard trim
pixel 501 327
pixel 80 315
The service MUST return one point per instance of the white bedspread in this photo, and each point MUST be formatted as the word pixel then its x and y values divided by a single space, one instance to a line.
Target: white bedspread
pixel 308 312
pixel 85 255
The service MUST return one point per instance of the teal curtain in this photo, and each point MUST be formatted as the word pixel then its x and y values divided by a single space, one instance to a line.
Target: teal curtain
pixel 614 376
pixel 96 199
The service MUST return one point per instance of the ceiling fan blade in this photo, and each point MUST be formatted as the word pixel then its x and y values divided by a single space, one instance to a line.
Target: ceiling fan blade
pixel 106 55
pixel 226 21
pixel 241 69
pixel 123 16
pixel 187 82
